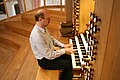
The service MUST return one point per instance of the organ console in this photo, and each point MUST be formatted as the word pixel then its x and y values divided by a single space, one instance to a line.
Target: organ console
pixel 85 45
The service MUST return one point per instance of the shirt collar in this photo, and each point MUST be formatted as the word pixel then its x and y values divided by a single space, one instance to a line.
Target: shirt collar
pixel 39 28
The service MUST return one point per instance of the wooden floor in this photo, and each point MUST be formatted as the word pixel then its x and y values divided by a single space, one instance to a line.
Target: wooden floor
pixel 17 61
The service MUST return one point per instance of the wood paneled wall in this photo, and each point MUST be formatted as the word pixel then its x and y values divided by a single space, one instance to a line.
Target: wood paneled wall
pixel 107 63
pixel 69 10
pixel 104 11
pixel 86 6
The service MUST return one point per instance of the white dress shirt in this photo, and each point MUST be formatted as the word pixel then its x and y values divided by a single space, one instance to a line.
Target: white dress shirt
pixel 42 44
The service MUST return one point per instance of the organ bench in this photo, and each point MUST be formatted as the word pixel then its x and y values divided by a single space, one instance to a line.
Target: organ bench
pixel 43 74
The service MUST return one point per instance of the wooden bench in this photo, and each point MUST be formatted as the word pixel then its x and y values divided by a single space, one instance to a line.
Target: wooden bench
pixel 47 74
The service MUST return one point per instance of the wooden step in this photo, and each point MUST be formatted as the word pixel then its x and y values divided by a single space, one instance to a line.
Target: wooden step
pixel 2 25
pixel 56 16
pixel 56 12
pixel 6 48
pixel 28 18
pixel 11 38
pixel 19 27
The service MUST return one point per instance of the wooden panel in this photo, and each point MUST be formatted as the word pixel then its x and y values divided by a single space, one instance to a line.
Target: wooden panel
pixel 68 9
pixel 86 6
pixel 103 8
pixel 111 65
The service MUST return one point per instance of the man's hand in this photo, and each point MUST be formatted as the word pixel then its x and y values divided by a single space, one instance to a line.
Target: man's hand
pixel 56 48
pixel 69 51
pixel 68 45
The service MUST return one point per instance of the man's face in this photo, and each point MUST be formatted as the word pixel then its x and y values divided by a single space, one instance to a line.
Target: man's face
pixel 46 19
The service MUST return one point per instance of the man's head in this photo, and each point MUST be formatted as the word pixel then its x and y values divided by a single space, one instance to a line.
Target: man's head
pixel 42 17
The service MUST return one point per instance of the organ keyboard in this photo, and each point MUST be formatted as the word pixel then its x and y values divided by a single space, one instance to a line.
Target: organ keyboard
pixel 80 46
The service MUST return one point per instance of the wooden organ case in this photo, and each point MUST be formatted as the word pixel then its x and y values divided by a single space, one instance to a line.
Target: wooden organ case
pixel 98 48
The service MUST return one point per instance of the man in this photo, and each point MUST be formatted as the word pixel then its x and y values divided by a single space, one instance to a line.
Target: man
pixel 43 46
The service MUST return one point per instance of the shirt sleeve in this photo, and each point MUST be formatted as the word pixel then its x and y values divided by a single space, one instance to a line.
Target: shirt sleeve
pixel 57 43
pixel 41 49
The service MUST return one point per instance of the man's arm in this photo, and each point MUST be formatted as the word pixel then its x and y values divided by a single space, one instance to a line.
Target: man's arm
pixel 57 43
pixel 41 49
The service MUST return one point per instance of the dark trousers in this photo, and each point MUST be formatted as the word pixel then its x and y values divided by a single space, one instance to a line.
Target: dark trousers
pixel 61 63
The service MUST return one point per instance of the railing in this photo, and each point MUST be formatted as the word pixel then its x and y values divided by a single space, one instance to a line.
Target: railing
pixel 9 8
